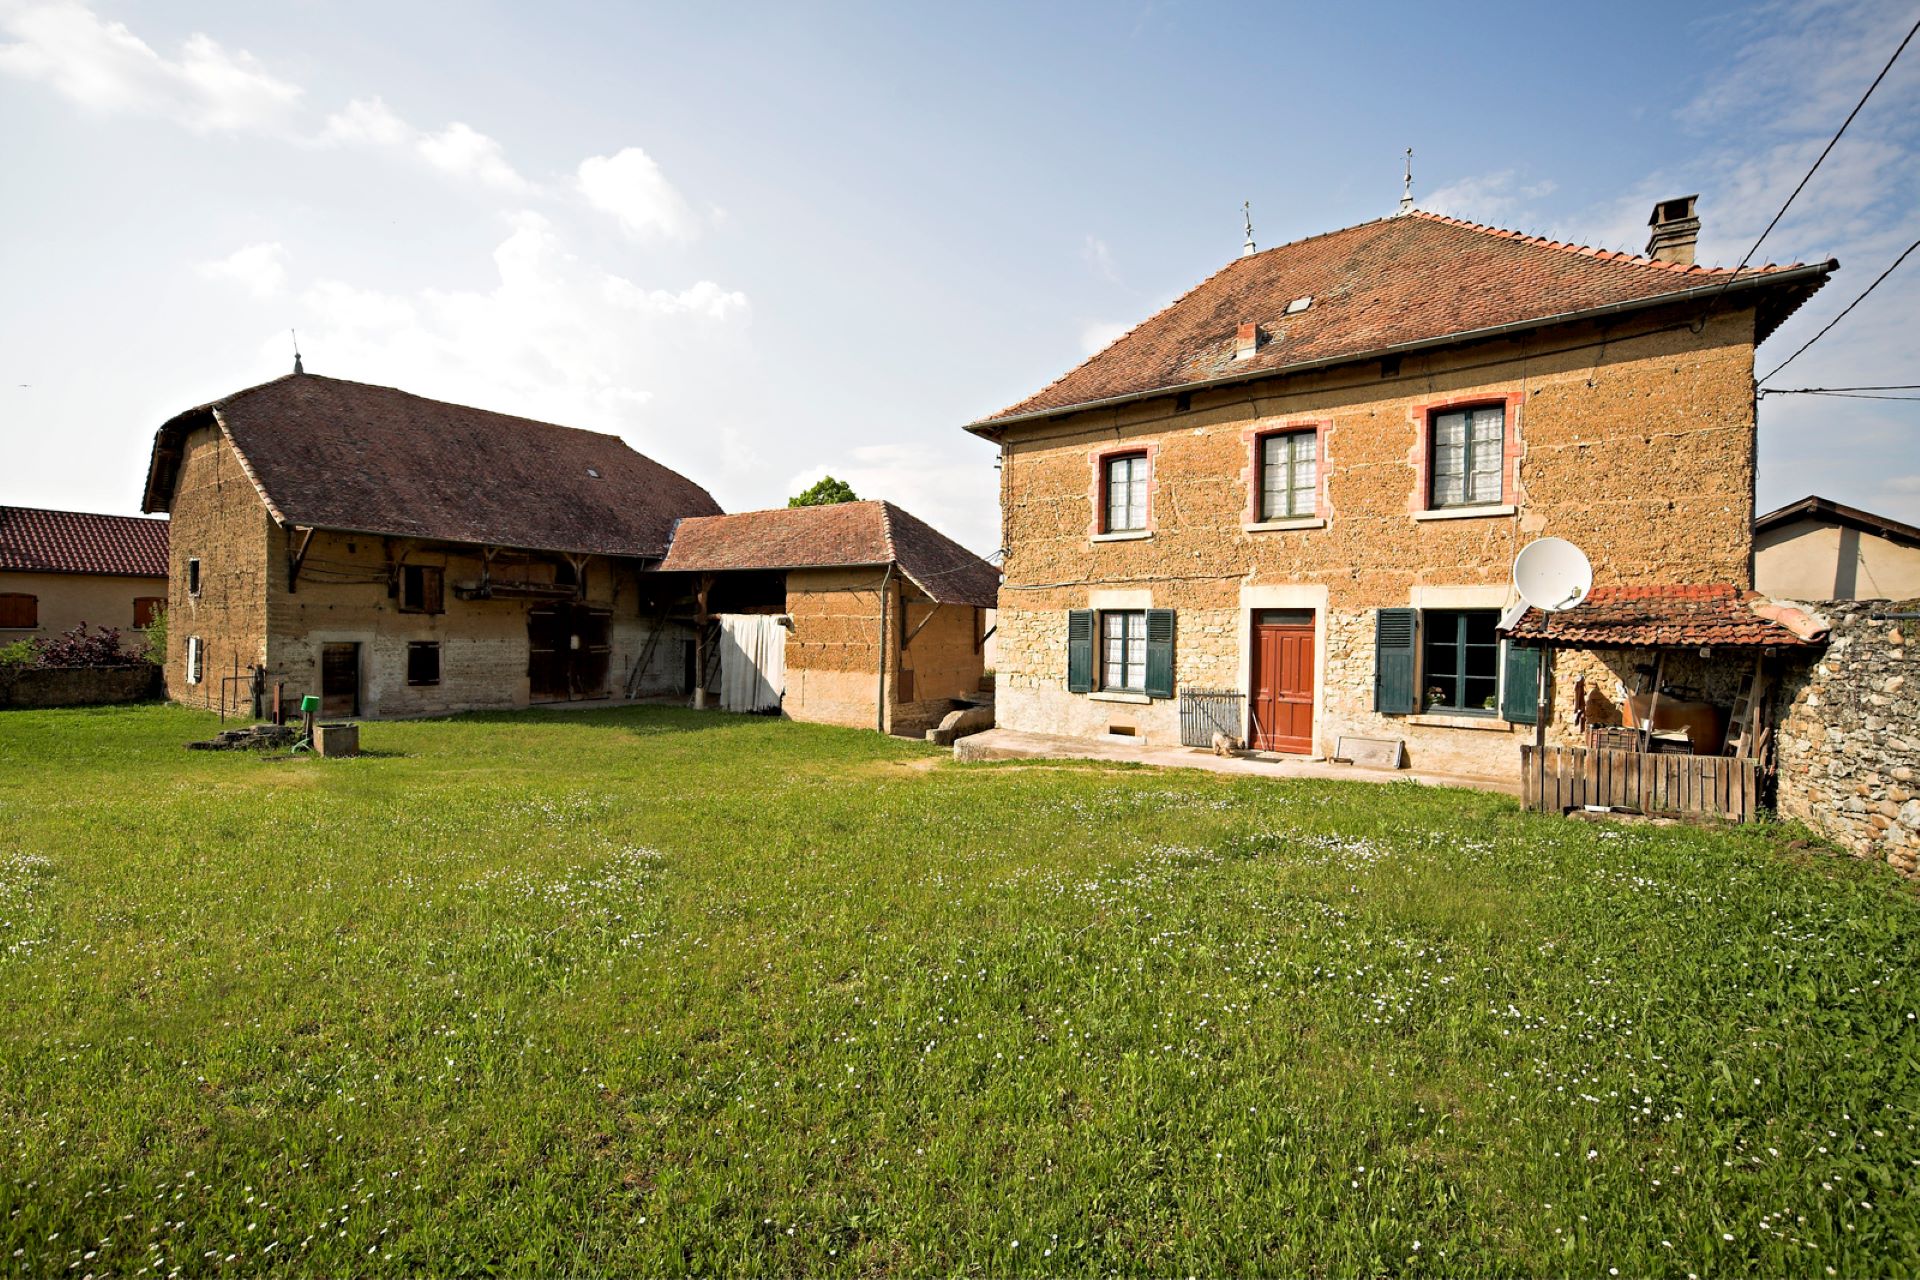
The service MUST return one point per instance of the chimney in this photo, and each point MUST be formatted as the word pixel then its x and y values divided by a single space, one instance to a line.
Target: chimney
pixel 1246 341
pixel 1675 230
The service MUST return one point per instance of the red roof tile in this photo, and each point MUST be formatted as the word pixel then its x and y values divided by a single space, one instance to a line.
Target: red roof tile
pixel 1384 285
pixel 333 454
pixel 843 535
pixel 1660 617
pixel 39 541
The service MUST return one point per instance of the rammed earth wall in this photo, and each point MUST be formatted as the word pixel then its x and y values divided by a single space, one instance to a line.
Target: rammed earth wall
pixel 1848 740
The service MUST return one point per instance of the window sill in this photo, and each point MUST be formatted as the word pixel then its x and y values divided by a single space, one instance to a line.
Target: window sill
pixel 1465 513
pixel 1116 695
pixel 1275 526
pixel 1125 535
pixel 1457 720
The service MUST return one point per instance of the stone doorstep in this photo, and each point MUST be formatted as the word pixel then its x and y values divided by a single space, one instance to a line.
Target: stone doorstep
pixel 1011 744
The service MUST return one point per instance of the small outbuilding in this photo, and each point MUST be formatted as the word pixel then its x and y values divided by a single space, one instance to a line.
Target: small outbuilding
pixel 59 569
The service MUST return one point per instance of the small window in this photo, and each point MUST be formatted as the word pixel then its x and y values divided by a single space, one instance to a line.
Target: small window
pixel 1289 475
pixel 1123 651
pixel 196 659
pixel 193 577
pixel 145 610
pixel 423 662
pixel 19 611
pixel 421 589
pixel 1460 661
pixel 1469 457
pixel 1126 492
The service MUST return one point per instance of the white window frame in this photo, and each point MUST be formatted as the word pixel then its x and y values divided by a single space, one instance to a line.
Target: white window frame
pixel 1130 634
pixel 1300 499
pixel 1472 472
pixel 1129 515
pixel 196 659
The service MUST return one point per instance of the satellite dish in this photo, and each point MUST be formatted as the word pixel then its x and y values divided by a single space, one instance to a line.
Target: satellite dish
pixel 1552 575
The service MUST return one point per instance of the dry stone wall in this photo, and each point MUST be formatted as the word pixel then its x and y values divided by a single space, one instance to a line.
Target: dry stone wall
pixel 1848 736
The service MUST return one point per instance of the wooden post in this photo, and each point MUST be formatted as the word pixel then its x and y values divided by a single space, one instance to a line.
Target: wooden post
pixel 1653 699
pixel 1540 724
pixel 880 692
pixel 700 642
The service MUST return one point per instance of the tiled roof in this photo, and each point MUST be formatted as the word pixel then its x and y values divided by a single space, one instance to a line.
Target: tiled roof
pixel 1826 511
pixel 343 455
pixel 842 535
pixel 1385 285
pixel 38 541
pixel 1662 617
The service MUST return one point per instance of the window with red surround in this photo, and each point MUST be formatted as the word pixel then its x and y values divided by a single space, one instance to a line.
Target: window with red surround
pixel 1121 491
pixel 1287 472
pixel 1466 452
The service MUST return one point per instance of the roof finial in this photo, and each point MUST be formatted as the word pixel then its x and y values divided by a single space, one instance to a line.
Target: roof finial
pixel 297 367
pixel 1246 211
pixel 1406 192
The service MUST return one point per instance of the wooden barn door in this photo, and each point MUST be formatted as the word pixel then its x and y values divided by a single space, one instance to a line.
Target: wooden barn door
pixel 569 652
pixel 1283 680
pixel 339 679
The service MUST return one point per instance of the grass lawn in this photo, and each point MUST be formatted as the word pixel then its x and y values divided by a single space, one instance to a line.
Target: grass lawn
pixel 645 991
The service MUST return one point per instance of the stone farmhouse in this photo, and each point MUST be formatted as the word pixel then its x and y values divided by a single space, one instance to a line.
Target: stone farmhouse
pixel 59 569
pixel 402 556
pixel 1298 490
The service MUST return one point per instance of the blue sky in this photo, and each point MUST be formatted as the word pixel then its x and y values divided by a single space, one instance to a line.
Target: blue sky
pixel 766 242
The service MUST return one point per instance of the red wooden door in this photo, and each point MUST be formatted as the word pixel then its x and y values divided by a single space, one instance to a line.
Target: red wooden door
pixel 1283 681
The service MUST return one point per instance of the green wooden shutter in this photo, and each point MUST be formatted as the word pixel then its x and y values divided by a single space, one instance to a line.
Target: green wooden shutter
pixel 1079 651
pixel 1159 653
pixel 1393 640
pixel 1520 691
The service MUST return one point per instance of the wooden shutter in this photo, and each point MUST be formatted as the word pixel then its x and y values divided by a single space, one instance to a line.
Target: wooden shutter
pixel 433 591
pixel 19 611
pixel 1393 641
pixel 1520 690
pixel 1079 651
pixel 1159 653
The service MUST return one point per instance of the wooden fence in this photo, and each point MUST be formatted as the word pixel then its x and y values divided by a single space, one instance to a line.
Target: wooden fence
pixel 1688 786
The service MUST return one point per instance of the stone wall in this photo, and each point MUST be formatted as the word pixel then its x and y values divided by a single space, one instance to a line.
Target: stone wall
pixel 1848 735
pixel 77 686
pixel 219 519
pixel 1634 442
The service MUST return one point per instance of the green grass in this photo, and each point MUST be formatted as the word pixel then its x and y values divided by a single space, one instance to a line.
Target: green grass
pixel 644 991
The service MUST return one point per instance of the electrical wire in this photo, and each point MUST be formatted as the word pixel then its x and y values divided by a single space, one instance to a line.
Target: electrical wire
pixel 1834 391
pixel 1849 307
pixel 1831 142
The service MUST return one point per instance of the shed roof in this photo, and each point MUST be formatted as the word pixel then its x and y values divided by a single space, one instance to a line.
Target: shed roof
pixel 1397 283
pixel 841 535
pixel 36 540
pixel 1686 616
pixel 331 454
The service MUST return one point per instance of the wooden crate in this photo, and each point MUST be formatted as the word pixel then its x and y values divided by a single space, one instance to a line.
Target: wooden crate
pixel 1682 786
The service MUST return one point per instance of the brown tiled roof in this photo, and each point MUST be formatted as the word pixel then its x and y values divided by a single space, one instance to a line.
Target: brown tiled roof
pixel 1395 283
pixel 332 454
pixel 1660 617
pixel 40 541
pixel 843 535
pixel 1827 511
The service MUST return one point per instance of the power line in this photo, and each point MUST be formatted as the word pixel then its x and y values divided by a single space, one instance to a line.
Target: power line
pixel 1853 395
pixel 1831 142
pixel 1834 391
pixel 1850 306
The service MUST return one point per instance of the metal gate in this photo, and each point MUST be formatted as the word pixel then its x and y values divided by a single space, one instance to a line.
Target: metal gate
pixel 1205 712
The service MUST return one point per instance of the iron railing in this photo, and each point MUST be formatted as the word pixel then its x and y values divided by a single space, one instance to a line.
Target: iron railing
pixel 1205 712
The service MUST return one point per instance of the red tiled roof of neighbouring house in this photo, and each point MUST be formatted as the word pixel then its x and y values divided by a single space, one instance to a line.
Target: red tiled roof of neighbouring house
pixel 1687 616
pixel 331 454
pixel 841 535
pixel 34 540
pixel 1397 283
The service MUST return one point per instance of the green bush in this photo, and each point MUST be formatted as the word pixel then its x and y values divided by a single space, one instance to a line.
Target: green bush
pixel 20 653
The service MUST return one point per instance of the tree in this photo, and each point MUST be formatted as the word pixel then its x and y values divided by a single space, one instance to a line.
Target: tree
pixel 824 493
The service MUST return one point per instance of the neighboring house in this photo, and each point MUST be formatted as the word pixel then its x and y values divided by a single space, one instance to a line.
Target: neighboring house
pixel 403 556
pixel 1814 549
pixel 1302 484
pixel 59 569
pixel 878 608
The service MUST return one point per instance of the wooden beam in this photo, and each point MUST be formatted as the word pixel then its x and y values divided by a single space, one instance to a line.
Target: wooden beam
pixel 923 622
pixel 297 559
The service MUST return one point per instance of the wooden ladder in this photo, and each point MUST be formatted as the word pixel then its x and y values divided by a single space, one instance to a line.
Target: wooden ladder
pixel 1741 729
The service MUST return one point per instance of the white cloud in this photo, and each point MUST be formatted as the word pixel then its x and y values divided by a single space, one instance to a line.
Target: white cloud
pixel 465 152
pixel 105 68
pixel 366 122
pixel 1102 334
pixel 261 269
pixel 1498 198
pixel 552 338
pixel 1099 259
pixel 952 488
pixel 630 186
